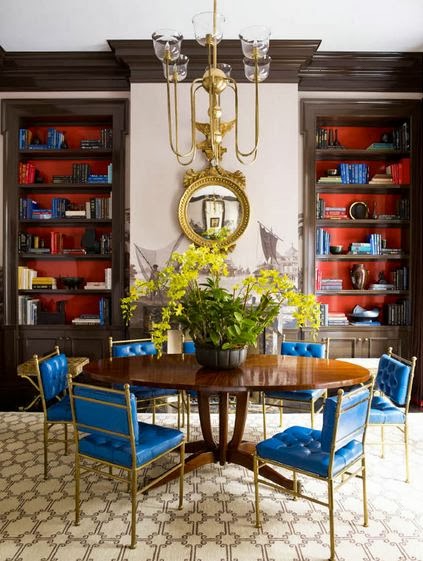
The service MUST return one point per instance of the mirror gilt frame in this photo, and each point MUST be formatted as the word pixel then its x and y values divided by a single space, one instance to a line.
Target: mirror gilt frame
pixel 213 176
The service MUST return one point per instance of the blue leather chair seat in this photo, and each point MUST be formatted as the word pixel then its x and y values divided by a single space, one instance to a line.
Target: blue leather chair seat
pixel 60 411
pixel 300 447
pixel 383 411
pixel 153 440
pixel 300 395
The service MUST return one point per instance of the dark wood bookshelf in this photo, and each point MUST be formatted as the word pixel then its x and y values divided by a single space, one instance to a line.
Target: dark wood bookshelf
pixel 76 118
pixel 355 125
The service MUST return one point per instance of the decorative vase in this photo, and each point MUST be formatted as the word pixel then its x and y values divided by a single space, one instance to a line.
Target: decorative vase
pixel 218 358
pixel 359 276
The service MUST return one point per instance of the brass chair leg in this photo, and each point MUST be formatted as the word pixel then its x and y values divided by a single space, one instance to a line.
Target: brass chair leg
pixel 188 416
pixel 179 410
pixel 66 439
pixel 256 490
pixel 263 406
pixel 364 475
pixel 295 485
pixel 181 475
pixel 154 411
pixel 280 413
pixel 133 477
pixel 312 414
pixel 331 520
pixel 45 450
pixel 407 464
pixel 77 488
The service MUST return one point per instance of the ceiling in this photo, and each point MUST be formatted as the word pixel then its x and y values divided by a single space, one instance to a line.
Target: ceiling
pixel 86 25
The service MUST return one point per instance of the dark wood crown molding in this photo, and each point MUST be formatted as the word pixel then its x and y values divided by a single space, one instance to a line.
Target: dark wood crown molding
pixel 61 71
pixel 288 57
pixel 363 71
pixel 132 61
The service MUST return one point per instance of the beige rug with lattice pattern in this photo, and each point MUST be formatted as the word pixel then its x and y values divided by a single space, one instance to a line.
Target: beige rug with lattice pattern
pixel 217 523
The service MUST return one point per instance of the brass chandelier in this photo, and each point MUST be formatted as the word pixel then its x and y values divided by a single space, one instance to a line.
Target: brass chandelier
pixel 216 78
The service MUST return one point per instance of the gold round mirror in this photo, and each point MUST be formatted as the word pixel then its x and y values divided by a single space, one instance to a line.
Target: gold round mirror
pixel 214 202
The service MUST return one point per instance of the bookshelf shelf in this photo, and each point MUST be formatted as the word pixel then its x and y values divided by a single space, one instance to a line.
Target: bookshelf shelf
pixel 53 292
pixel 341 188
pixel 62 257
pixel 65 187
pixel 370 293
pixel 65 222
pixel 363 257
pixel 360 223
pixel 65 154
pixel 345 154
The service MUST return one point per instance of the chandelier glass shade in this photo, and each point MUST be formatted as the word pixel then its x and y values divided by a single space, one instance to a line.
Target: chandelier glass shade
pixel 208 32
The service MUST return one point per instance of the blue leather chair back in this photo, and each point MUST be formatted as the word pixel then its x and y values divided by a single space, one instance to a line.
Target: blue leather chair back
pixel 54 375
pixel 188 347
pixel 303 348
pixel 133 348
pixel 350 424
pixel 393 378
pixel 100 410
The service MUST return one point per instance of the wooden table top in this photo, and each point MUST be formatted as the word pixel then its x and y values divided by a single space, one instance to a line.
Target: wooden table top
pixel 259 372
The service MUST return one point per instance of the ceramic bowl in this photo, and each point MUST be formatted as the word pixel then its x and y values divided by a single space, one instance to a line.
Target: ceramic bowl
pixel 336 249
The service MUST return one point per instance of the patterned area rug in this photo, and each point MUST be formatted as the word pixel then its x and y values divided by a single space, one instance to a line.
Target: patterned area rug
pixel 217 523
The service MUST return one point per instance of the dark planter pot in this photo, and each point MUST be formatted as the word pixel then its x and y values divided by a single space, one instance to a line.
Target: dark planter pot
pixel 216 358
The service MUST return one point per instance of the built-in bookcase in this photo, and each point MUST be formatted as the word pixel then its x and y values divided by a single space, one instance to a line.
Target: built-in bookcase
pixel 361 166
pixel 64 187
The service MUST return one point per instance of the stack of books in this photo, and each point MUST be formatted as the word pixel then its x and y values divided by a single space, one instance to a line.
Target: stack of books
pixel 331 284
pixel 381 178
pixel 337 319
pixel 330 179
pixel 43 283
pixel 361 248
pixel 380 286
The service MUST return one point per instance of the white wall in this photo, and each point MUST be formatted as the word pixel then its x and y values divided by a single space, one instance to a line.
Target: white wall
pixel 272 181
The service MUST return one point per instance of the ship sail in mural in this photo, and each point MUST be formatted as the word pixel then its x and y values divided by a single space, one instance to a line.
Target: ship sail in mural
pixel 285 260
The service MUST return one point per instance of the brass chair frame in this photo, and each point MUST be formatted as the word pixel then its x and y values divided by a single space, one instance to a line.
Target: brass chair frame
pixel 156 402
pixel 345 474
pixel 280 402
pixel 88 464
pixel 403 427
pixel 49 424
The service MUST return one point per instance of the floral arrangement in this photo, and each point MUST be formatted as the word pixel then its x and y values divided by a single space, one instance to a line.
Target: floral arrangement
pixel 213 315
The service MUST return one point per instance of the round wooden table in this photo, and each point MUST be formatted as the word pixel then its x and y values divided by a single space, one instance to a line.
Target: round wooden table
pixel 258 373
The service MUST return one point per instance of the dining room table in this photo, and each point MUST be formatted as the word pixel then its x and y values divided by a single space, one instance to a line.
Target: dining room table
pixel 257 373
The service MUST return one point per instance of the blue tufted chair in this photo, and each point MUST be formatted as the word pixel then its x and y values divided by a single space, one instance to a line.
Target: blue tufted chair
pixel 309 397
pixel 391 401
pixel 109 436
pixel 145 395
pixel 52 374
pixel 335 452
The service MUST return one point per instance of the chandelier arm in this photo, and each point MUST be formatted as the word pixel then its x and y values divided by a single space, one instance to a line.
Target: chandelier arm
pixel 240 155
pixel 212 54
pixel 195 86
pixel 174 146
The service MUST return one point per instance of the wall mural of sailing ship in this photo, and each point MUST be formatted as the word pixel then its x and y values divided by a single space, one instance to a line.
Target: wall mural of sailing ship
pixel 283 259
pixel 273 253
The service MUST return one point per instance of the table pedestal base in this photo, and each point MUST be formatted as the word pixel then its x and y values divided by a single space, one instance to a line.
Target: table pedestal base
pixel 236 451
